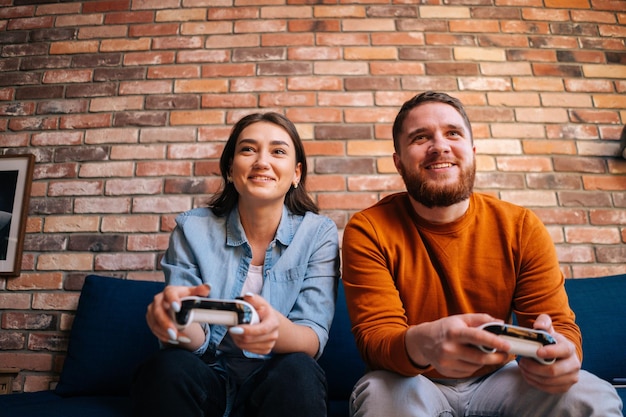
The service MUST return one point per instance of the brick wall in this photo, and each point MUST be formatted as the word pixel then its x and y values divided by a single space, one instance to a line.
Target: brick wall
pixel 126 105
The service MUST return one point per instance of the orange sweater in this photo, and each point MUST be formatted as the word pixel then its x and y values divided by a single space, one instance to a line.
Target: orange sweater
pixel 400 270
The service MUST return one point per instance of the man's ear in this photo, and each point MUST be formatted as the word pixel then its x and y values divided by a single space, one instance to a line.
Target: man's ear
pixel 397 163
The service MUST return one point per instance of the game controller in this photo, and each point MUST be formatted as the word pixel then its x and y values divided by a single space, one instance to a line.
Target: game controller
pixel 524 341
pixel 214 311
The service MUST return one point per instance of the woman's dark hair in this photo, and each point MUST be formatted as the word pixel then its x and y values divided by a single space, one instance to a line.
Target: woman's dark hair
pixel 425 97
pixel 622 143
pixel 297 200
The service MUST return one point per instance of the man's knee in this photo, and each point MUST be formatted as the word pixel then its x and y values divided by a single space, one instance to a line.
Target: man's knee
pixel 387 393
pixel 596 395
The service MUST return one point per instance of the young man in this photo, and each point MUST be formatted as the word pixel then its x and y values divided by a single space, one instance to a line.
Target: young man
pixel 425 268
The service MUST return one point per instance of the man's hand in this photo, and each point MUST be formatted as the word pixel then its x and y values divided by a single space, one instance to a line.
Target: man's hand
pixel 562 374
pixel 450 345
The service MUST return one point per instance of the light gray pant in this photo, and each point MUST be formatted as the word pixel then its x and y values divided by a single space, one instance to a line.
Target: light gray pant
pixel 501 394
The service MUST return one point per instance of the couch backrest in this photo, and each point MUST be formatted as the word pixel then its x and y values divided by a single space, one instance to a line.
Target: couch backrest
pixel 341 360
pixel 103 330
pixel 600 307
pixel 109 336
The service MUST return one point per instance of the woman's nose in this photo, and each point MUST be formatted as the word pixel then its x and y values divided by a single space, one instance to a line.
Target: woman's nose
pixel 261 161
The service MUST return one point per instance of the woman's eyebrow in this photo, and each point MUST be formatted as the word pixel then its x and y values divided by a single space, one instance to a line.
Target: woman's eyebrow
pixel 276 142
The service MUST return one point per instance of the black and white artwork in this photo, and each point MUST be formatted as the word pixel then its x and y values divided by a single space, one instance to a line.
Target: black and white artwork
pixel 16 174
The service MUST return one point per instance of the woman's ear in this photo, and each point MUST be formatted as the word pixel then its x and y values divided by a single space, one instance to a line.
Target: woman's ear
pixel 229 172
pixel 297 174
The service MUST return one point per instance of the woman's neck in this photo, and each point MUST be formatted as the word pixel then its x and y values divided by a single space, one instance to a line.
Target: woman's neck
pixel 260 223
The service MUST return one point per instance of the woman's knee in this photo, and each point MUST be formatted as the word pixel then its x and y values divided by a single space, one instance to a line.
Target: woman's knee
pixel 166 365
pixel 285 369
pixel 291 384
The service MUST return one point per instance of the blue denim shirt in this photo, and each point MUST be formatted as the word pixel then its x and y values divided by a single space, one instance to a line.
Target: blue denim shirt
pixel 300 271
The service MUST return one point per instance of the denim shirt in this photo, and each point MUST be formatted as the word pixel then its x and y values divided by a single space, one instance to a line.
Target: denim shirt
pixel 300 270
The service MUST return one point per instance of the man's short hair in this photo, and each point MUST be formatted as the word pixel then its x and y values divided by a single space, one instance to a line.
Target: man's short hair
pixel 425 97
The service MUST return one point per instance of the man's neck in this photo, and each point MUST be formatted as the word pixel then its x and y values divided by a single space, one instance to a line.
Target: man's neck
pixel 440 215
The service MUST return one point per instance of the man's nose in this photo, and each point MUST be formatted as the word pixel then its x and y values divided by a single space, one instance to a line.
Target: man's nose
pixel 439 144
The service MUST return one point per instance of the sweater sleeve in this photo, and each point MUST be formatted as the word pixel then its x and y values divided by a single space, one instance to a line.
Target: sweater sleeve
pixel 540 282
pixel 378 318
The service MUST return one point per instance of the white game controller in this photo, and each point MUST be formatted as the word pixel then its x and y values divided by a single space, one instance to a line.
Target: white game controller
pixel 214 311
pixel 524 341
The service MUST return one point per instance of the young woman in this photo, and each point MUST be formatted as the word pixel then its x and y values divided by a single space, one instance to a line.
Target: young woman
pixel 262 239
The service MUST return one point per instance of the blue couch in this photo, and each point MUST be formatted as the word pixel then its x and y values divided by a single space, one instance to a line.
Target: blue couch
pixel 109 338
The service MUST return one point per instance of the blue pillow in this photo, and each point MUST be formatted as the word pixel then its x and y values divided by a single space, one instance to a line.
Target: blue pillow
pixel 109 337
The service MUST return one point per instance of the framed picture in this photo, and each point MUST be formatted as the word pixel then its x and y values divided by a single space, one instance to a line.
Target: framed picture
pixel 16 176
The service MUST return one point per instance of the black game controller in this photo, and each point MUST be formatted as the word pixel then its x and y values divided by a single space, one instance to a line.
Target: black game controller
pixel 524 341
pixel 214 311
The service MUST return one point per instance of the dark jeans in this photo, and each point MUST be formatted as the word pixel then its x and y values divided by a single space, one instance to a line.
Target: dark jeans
pixel 175 382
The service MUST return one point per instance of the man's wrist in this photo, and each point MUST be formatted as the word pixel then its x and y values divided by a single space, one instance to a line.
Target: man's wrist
pixel 415 356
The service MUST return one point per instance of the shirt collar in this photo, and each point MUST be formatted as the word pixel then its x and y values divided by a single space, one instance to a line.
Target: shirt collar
pixel 236 236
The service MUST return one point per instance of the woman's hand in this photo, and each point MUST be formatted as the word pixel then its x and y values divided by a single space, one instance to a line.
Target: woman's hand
pixel 258 338
pixel 274 332
pixel 160 322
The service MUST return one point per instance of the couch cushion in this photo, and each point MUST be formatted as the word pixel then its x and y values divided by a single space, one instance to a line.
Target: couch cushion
pixel 341 360
pixel 109 337
pixel 600 307
pixel 49 404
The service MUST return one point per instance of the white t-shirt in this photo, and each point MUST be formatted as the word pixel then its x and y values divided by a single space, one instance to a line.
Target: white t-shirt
pixel 254 280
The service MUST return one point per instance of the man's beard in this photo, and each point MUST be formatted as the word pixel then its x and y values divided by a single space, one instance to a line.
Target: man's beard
pixel 431 194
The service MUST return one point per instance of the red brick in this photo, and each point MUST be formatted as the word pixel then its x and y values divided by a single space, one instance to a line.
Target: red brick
pixel 113 18
pixel 74 47
pixel 375 183
pixel 607 183
pixel 37 281
pixel 325 183
pixel 561 216
pixel 26 361
pixel 343 201
pixel 599 235
pixel 607 217
pixel 175 72
pixel 130 223
pixel 146 58
pixel 148 242
pixel 148 169
pixel 125 261
pixel 133 186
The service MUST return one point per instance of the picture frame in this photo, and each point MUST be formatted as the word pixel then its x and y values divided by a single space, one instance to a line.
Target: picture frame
pixel 16 177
